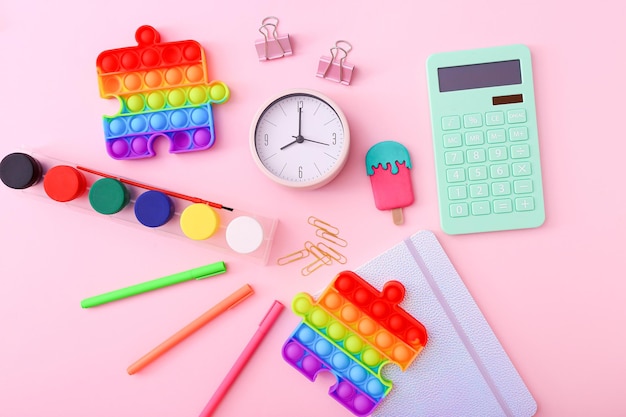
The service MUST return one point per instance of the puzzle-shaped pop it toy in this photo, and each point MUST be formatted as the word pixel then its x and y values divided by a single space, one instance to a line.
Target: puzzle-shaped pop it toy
pixel 163 90
pixel 352 331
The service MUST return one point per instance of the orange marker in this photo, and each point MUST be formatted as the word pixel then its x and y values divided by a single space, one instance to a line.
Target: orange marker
pixel 226 304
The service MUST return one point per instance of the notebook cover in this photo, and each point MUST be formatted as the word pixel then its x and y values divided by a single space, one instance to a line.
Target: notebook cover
pixel 463 370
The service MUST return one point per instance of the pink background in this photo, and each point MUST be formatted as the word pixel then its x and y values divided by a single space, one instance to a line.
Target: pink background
pixel 554 295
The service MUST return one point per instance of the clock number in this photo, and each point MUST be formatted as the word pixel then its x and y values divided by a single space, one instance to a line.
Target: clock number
pixel 300 171
pixel 334 138
pixel 300 104
pixel 266 139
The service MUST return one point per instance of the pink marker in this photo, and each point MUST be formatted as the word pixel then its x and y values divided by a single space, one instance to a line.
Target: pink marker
pixel 388 165
pixel 253 344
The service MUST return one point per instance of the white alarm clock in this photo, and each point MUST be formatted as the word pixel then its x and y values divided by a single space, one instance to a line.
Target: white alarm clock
pixel 300 138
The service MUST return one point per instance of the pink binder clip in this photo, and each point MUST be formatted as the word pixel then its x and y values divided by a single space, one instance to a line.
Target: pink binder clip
pixel 272 46
pixel 335 67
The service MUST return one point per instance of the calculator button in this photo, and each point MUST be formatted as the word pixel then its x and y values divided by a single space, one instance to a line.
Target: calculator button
pixel 474 138
pixel 452 140
pixel 520 151
pixel 496 136
pixel 459 210
pixel 499 171
pixel 455 175
pixel 450 123
pixel 476 155
pixel 477 173
pixel 480 208
pixel 497 153
pixel 501 188
pixel 523 186
pixel 524 204
pixel 521 169
pixel 479 190
pixel 458 192
pixel 472 120
pixel 518 133
pixel 494 118
pixel 454 158
pixel 516 116
pixel 502 206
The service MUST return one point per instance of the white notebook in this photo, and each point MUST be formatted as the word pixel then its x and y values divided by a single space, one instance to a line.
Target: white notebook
pixel 463 369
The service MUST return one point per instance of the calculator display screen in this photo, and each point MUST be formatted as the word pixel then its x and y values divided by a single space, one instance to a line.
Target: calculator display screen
pixel 490 74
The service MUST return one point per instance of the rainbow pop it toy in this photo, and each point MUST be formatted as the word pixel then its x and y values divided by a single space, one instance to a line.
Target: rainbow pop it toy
pixel 352 331
pixel 163 90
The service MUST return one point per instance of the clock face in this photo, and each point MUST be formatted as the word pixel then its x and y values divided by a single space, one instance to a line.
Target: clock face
pixel 300 139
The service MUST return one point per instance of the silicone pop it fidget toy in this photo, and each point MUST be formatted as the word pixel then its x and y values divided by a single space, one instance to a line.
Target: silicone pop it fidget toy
pixel 352 331
pixel 163 90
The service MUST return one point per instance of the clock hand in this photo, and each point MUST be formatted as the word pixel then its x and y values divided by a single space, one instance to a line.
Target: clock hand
pixel 314 141
pixel 289 144
pixel 299 138
pixel 300 119
pixel 302 139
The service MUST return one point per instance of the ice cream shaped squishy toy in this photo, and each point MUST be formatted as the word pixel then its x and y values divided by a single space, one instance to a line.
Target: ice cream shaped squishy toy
pixel 352 331
pixel 388 165
pixel 164 90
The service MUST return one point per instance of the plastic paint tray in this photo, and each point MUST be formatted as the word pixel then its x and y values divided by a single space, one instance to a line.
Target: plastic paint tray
pixel 238 232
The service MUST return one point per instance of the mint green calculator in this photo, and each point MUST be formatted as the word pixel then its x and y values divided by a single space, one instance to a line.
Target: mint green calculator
pixel 486 146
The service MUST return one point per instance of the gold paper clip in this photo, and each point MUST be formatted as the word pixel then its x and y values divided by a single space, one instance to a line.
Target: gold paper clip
pixel 331 237
pixel 272 46
pixel 335 67
pixel 307 270
pixel 320 224
pixel 332 253
pixel 292 257
pixel 319 254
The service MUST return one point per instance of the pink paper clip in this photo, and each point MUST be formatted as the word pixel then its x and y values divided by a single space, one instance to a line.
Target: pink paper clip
pixel 335 67
pixel 272 46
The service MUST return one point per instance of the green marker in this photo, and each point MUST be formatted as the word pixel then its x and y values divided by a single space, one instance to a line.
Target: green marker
pixel 196 273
